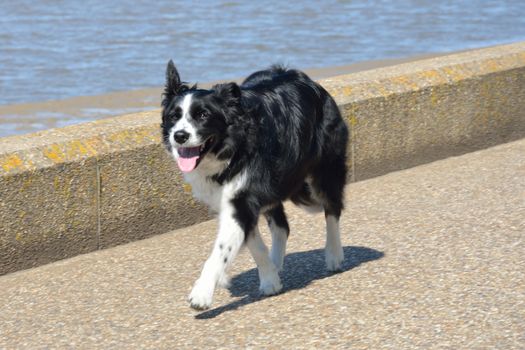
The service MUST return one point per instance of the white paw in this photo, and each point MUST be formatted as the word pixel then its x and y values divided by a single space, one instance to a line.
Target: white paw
pixel 201 295
pixel 224 281
pixel 270 283
pixel 334 260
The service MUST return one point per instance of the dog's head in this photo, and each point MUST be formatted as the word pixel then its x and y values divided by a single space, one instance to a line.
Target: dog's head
pixel 197 123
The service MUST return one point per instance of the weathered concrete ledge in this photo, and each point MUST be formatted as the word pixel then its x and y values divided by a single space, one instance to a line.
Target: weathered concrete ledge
pixel 73 190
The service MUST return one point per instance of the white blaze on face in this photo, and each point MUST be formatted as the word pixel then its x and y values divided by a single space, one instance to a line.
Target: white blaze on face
pixel 186 103
pixel 184 124
pixel 187 154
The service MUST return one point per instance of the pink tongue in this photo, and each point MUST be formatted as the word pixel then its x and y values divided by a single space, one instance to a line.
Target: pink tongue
pixel 187 164
pixel 188 157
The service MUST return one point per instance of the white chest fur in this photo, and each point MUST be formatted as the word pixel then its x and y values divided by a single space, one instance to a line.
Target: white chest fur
pixel 208 191
pixel 205 190
pixel 216 196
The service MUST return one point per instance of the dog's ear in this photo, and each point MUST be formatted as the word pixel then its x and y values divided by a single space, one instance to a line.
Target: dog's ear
pixel 229 92
pixel 172 79
pixel 173 86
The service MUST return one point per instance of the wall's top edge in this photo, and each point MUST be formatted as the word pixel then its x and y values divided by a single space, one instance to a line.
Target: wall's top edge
pixel 78 142
pixel 416 75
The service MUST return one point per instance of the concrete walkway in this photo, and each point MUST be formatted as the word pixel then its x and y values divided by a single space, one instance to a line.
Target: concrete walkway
pixel 435 258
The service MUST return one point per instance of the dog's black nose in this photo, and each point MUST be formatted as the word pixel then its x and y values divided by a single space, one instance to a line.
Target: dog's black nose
pixel 181 136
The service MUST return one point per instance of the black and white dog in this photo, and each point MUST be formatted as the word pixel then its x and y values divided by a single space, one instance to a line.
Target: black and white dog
pixel 246 149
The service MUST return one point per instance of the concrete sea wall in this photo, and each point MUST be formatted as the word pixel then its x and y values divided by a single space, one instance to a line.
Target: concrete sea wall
pixel 73 190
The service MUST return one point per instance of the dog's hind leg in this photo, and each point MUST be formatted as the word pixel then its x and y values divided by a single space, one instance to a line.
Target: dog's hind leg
pixel 334 255
pixel 329 183
pixel 280 230
pixel 270 282
pixel 333 205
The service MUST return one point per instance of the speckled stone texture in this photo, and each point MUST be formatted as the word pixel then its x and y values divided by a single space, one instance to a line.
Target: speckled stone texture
pixel 435 259
pixel 109 182
pixel 85 187
pixel 414 113
pixel 47 214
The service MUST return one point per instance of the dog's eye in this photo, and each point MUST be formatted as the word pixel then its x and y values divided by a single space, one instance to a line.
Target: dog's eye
pixel 177 114
pixel 202 115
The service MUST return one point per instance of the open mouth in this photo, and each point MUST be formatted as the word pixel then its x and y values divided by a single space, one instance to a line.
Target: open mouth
pixel 189 157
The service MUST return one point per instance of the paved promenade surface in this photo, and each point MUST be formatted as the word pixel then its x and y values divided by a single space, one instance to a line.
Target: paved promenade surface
pixel 435 259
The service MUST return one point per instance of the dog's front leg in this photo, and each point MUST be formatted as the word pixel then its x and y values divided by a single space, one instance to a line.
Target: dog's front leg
pixel 270 282
pixel 229 240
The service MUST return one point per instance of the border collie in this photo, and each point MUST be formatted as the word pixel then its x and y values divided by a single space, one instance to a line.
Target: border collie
pixel 246 149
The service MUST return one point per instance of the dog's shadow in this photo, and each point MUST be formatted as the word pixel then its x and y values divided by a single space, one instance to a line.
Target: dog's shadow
pixel 300 269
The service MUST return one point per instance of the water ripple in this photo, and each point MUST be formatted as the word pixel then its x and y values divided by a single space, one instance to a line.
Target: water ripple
pixel 51 50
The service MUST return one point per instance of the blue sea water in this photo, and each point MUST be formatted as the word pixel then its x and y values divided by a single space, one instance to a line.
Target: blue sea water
pixel 53 49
